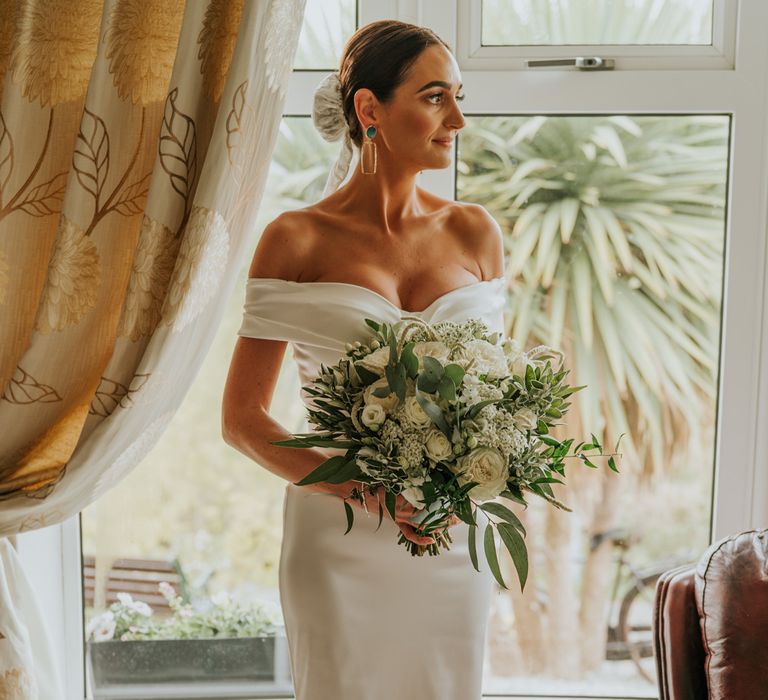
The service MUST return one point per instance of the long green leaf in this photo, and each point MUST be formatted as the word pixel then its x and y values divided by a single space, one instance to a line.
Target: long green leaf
pixel 349 471
pixel 325 470
pixel 490 554
pixel 472 531
pixel 515 544
pixel 504 513
pixel 350 516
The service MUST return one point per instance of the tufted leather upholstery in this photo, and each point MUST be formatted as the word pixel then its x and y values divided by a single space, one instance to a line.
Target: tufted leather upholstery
pixel 710 623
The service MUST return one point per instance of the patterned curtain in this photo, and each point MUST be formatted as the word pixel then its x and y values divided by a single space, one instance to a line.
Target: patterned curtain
pixel 135 139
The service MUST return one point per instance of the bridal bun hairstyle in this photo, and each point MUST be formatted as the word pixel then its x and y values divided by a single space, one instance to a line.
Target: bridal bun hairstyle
pixel 377 56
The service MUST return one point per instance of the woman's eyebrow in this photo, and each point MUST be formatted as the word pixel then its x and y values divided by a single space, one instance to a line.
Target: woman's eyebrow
pixel 440 83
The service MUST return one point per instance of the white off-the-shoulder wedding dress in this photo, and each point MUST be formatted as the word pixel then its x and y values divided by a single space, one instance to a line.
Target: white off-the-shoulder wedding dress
pixel 364 619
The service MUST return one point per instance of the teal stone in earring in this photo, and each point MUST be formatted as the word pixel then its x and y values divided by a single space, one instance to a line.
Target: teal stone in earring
pixel 368 152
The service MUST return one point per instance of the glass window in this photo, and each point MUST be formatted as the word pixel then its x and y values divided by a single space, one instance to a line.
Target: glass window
pixel 615 22
pixel 327 24
pixel 614 233
pixel 201 517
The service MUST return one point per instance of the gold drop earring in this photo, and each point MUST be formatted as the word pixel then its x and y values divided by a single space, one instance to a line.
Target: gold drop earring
pixel 368 151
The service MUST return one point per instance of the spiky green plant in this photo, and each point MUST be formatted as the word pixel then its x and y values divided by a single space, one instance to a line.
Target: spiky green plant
pixel 615 250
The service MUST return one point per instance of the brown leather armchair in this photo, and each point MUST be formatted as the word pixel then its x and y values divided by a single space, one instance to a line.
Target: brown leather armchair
pixel 710 623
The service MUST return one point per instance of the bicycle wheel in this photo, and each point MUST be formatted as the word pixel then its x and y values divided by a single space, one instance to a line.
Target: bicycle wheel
pixel 635 626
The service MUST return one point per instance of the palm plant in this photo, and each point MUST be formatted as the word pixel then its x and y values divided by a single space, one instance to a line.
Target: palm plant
pixel 614 246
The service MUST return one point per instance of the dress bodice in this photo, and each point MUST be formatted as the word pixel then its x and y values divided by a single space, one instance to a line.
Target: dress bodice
pixel 319 318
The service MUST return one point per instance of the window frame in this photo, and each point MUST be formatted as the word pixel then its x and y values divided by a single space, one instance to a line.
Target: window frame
pixel 717 55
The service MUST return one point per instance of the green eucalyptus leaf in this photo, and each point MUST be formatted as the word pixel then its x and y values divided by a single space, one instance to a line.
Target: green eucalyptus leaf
pixel 325 470
pixel 446 388
pixel 432 368
pixel 516 495
pixel 390 500
pixel 455 372
pixel 515 544
pixel 350 516
pixel 424 383
pixel 490 555
pixel 409 360
pixel 366 375
pixel 348 472
pixel 434 412
pixel 504 513
pixel 471 536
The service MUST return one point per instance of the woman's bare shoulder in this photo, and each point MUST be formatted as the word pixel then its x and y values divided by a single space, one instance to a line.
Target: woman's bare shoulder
pixel 285 243
pixel 483 235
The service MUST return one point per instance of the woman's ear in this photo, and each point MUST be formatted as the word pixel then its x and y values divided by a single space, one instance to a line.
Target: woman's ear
pixel 365 106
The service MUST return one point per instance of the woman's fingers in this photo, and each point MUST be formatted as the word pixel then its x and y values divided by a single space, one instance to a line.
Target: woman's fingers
pixel 410 533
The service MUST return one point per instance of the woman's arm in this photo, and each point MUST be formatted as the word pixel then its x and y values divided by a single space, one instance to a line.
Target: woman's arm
pixel 245 421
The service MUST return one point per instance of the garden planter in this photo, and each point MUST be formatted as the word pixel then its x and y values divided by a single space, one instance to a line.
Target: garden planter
pixel 182 660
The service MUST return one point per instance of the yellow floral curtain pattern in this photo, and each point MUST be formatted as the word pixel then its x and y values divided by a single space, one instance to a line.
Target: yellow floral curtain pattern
pixel 135 138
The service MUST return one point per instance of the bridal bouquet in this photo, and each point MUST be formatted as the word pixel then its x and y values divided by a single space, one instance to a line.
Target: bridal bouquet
pixel 450 416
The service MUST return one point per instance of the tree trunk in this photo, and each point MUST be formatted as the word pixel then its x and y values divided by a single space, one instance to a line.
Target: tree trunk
pixel 597 577
pixel 563 633
pixel 528 614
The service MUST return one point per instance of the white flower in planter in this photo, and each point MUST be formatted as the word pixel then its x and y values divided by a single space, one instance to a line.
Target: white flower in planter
pixel 101 628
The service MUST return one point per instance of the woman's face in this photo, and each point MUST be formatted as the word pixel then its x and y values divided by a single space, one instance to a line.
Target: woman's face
pixel 425 108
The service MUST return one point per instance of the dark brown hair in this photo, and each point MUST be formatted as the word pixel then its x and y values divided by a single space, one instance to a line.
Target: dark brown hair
pixel 378 56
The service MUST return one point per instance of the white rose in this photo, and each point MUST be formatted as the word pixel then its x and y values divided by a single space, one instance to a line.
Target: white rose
pixel 388 403
pixel 488 359
pixel 375 361
pixel 488 468
pixel 516 359
pixel 373 416
pixel 433 348
pixel 525 419
pixel 415 413
pixel 414 495
pixel 438 446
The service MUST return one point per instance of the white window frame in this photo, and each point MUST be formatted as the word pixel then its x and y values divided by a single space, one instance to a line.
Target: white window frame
pixel 733 81
pixel 471 54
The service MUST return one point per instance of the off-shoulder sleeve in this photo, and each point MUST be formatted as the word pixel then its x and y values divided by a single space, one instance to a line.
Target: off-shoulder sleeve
pixel 265 311
pixel 278 309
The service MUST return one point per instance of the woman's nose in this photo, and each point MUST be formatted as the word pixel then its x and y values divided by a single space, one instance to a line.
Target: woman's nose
pixel 457 120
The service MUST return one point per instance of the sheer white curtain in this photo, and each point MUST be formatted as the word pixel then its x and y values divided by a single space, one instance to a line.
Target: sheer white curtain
pixel 135 140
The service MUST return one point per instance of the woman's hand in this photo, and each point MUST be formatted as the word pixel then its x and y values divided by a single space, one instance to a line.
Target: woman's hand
pixel 404 511
pixel 404 514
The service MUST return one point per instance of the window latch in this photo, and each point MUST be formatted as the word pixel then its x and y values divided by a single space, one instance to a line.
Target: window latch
pixel 581 62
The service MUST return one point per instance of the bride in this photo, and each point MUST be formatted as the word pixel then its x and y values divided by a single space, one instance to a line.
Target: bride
pixel 364 619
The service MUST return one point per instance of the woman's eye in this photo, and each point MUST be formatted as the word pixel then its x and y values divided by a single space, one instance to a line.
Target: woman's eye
pixel 440 94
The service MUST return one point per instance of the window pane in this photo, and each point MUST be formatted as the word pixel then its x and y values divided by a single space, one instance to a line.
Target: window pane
pixel 200 515
pixel 562 22
pixel 327 25
pixel 614 232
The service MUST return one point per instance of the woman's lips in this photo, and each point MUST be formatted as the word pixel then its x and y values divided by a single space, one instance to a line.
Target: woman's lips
pixel 443 143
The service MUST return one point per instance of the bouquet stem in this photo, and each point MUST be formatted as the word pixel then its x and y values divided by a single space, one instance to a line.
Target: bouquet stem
pixel 442 541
